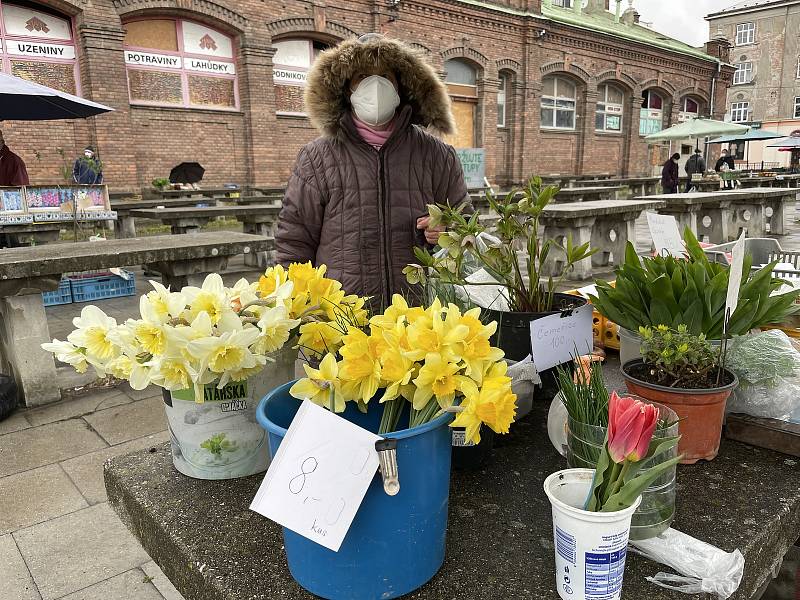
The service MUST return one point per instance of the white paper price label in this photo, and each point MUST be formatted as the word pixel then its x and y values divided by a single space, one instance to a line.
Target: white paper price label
pixel 554 339
pixel 665 234
pixel 735 278
pixel 319 476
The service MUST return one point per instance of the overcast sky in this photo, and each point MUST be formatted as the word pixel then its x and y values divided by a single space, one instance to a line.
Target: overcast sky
pixel 681 19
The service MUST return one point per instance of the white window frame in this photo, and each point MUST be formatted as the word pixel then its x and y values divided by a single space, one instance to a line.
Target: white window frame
pixel 745 33
pixel 563 3
pixel 502 100
pixel 797 107
pixel 743 73
pixel 555 99
pixel 609 109
pixel 739 110
pixel 797 74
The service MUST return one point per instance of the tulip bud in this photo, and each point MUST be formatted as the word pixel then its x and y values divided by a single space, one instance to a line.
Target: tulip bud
pixel 630 428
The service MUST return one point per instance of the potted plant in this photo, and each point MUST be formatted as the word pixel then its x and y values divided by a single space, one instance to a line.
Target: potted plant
pixel 683 371
pixel 215 351
pixel 586 399
pixel 691 291
pixel 592 508
pixel 160 183
pixel 400 378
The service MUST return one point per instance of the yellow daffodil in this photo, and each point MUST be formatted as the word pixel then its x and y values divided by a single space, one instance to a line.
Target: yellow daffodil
pixel 271 280
pixel 360 369
pixel 322 385
pixel 396 372
pixel 493 406
pixel 319 337
pixel 92 333
pixel 301 274
pixel 475 349
pixel 441 333
pixel 437 377
pixel 397 311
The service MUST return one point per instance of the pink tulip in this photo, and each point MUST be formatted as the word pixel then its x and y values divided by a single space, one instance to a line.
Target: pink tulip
pixel 630 428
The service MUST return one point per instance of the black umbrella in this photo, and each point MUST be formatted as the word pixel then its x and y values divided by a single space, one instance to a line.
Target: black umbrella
pixel 187 172
pixel 23 100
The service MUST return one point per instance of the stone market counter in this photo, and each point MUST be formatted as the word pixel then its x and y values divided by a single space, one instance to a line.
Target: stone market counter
pixel 500 538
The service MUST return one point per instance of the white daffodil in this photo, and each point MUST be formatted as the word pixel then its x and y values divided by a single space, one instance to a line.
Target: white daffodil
pixel 211 298
pixel 242 294
pixel 92 333
pixel 226 353
pixel 275 327
pixel 161 305
pixel 68 353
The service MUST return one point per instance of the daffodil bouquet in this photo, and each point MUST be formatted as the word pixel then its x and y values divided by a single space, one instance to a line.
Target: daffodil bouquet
pixel 200 335
pixel 430 360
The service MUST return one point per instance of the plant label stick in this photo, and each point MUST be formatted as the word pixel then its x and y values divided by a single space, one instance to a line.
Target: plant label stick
pixel 665 234
pixel 319 476
pixel 735 279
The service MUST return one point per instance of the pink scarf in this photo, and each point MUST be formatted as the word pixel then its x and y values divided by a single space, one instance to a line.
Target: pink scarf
pixel 374 137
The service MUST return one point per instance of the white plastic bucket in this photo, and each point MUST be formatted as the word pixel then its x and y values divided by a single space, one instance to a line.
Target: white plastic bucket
pixel 590 547
pixel 629 344
pixel 220 437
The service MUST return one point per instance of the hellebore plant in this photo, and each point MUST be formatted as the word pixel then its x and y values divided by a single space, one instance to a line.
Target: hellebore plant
pixel 619 479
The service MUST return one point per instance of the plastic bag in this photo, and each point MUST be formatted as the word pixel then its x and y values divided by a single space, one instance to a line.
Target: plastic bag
pixel 702 568
pixel 768 367
pixel 524 379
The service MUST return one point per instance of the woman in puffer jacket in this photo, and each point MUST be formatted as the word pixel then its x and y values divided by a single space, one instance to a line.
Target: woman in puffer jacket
pixel 357 197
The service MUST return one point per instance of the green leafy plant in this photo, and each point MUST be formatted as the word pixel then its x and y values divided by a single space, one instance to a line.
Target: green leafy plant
pixel 217 444
pixel 160 183
pixel 691 291
pixel 676 358
pixel 584 392
pixel 517 231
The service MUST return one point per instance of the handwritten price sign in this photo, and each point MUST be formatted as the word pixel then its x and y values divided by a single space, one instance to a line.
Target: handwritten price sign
pixel 319 476
pixel 555 338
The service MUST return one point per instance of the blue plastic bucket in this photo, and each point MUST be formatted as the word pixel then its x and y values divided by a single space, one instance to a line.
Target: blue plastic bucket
pixel 396 543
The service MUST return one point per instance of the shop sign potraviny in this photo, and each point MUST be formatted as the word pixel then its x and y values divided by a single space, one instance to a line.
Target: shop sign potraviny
pixel 150 59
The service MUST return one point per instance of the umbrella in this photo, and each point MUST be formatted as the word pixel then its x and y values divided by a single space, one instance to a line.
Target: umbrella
pixel 23 100
pixel 751 136
pixel 696 128
pixel 187 172
pixel 790 143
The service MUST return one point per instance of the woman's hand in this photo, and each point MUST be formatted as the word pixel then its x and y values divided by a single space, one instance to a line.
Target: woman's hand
pixel 431 233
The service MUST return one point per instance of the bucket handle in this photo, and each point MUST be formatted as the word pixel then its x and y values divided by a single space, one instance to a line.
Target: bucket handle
pixel 387 456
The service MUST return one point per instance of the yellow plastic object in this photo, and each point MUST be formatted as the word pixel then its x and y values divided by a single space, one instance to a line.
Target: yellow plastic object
pixel 610 334
pixel 790 331
pixel 598 324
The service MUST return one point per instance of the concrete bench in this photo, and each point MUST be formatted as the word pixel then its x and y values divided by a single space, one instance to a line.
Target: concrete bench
pixel 257 219
pixel 201 193
pixel 588 193
pixel 638 186
pixel 499 523
pixel 259 199
pixel 722 215
pixel 27 272
pixel 125 225
pixel 29 234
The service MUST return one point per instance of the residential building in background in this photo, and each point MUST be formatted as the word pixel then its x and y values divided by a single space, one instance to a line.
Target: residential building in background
pixel 764 39
pixel 540 86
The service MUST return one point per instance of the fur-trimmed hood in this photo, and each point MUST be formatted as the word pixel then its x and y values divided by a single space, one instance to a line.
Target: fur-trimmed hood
pixel 327 96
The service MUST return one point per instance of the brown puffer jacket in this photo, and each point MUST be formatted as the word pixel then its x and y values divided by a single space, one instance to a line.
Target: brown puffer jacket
pixel 352 207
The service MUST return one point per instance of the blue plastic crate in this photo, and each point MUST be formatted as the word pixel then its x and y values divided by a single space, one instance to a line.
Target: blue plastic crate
pixel 63 295
pixel 86 288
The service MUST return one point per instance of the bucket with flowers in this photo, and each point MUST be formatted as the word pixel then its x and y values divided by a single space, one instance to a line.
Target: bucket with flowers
pixel 402 377
pixel 215 351
pixel 592 508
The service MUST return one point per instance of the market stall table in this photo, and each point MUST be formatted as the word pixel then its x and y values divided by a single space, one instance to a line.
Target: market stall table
pixel 125 225
pixel 639 186
pixel 189 219
pixel 27 272
pixel 29 234
pixel 500 536
pixel 199 193
pixel 588 193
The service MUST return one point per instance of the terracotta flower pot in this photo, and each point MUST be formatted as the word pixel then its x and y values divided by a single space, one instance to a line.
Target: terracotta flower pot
pixel 701 412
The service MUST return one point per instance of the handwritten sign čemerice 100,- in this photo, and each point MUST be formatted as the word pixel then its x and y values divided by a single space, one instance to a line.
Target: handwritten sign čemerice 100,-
pixel 319 476
pixel 555 338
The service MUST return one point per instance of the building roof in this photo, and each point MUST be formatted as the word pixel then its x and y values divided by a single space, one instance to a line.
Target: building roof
pixel 605 22
pixel 749 5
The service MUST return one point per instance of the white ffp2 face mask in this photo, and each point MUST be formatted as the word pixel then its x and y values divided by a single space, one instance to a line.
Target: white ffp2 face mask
pixel 375 100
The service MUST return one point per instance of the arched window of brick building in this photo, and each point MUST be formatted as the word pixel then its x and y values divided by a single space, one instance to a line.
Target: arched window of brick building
pixel 651 117
pixel 38 45
pixel 502 100
pixel 462 78
pixel 291 63
pixel 558 103
pixel 610 109
pixel 176 62
pixel 690 108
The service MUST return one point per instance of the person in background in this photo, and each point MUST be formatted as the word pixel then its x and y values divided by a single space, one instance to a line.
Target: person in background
pixel 695 165
pixel 725 163
pixel 669 175
pixel 357 198
pixel 88 170
pixel 12 167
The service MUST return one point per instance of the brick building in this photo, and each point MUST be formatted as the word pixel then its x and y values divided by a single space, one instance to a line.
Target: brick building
pixel 542 85
pixel 765 51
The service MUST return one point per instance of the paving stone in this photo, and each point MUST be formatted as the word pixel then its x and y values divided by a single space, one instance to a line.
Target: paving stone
pixel 78 550
pixel 131 585
pixel 15 422
pixel 161 582
pixel 149 392
pixel 15 580
pixel 34 496
pixel 76 407
pixel 38 446
pixel 87 471
pixel 130 421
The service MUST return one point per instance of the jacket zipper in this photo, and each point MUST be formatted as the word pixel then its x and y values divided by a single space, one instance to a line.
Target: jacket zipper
pixel 382 212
